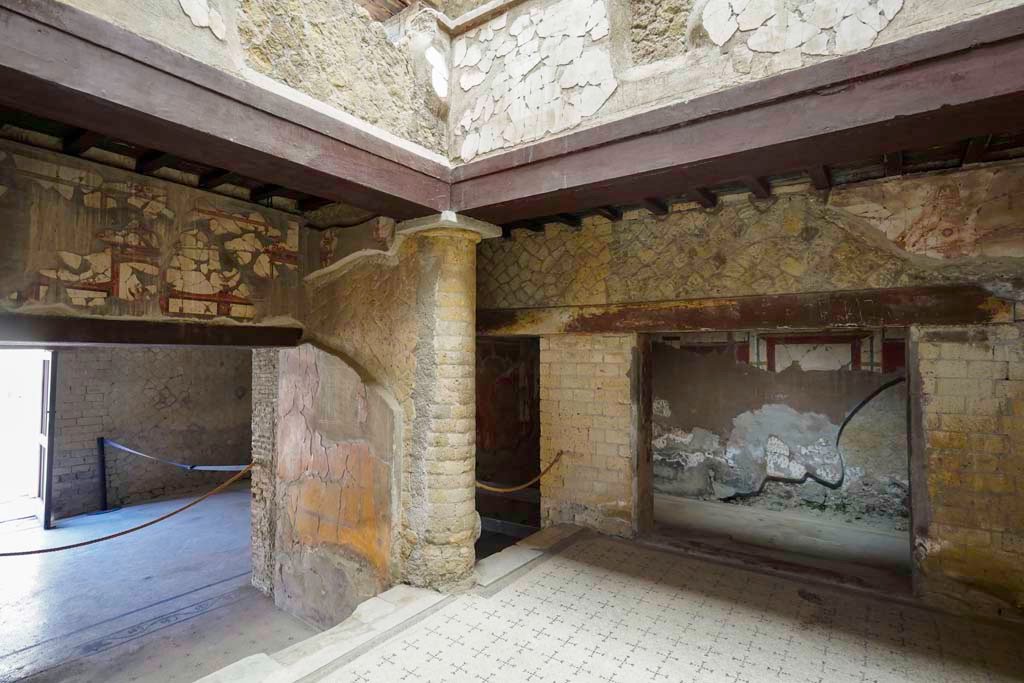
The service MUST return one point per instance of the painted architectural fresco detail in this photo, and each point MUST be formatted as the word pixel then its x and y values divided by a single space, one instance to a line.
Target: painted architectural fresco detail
pixel 98 240
pixel 893 233
pixel 530 73
pixel 815 27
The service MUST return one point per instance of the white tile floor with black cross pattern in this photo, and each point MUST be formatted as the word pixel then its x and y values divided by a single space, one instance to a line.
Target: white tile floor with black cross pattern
pixel 609 611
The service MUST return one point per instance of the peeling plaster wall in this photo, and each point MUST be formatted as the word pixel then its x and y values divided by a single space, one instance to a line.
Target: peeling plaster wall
pixel 190 405
pixel 968 427
pixel 335 478
pixel 652 53
pixel 732 431
pixel 335 52
pixel 953 227
pixel 100 241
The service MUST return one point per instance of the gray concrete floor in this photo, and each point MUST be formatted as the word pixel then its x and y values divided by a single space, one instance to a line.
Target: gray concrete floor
pixel 169 603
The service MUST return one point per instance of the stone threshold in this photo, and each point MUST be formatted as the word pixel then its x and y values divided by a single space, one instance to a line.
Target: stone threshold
pixel 385 616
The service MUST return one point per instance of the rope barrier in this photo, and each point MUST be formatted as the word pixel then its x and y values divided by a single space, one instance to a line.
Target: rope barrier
pixel 513 489
pixel 191 468
pixel 151 522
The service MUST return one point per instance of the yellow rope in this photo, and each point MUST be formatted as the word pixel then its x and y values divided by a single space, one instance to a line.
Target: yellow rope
pixel 513 489
pixel 220 488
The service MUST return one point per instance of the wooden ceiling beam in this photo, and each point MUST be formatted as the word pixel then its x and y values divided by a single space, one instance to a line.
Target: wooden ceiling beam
pixel 931 89
pixel 216 178
pixel 265 192
pixel 67 65
pixel 80 140
pixel 758 186
pixel 313 203
pixel 570 219
pixel 612 213
pixel 656 206
pixel 153 160
pixel 703 196
pixel 893 163
pixel 976 149
pixel 821 177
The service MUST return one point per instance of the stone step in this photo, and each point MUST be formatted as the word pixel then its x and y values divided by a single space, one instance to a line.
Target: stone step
pixel 371 619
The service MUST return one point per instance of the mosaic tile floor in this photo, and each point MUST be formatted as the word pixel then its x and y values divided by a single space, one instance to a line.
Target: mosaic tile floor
pixel 610 612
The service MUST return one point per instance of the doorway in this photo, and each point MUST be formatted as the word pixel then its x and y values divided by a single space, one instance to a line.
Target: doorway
pixel 24 397
pixel 790 447
pixel 507 440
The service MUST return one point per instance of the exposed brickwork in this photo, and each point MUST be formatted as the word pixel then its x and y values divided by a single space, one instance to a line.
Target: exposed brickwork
pixel 264 445
pixel 970 528
pixel 589 411
pixel 188 405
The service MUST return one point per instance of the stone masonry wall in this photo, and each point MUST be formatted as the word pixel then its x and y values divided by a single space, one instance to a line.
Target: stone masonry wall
pixel 187 405
pixel 589 411
pixel 968 395
pixel 893 233
pixel 265 387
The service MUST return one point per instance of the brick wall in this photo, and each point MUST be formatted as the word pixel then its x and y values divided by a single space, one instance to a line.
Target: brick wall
pixel 265 383
pixel 590 410
pixel 968 456
pixel 189 405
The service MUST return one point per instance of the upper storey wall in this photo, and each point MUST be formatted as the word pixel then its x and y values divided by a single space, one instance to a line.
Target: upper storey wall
pixel 330 50
pixel 547 67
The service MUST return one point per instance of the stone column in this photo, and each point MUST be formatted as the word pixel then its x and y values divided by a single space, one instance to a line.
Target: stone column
pixel 440 522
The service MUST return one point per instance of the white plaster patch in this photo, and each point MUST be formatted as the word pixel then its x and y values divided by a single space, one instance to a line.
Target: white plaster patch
pixel 853 35
pixel 718 21
pixel 202 15
pixel 549 73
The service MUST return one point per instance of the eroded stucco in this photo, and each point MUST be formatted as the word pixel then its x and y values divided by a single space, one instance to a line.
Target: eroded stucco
pixel 108 242
pixel 335 444
pixel 887 234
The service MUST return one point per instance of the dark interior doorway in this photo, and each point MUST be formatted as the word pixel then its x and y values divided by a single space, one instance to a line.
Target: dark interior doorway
pixel 507 439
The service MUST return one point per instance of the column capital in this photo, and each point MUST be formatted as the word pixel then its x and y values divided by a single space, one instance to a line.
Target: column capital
pixel 449 223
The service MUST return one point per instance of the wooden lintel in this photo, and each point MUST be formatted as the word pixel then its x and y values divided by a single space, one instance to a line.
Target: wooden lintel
pixel 38 330
pixel 570 219
pixel 894 163
pixel 820 177
pixel 151 161
pixel 612 213
pixel 873 308
pixel 264 192
pixel 976 149
pixel 758 186
pixel 656 206
pixel 216 178
pixel 704 197
pixel 80 140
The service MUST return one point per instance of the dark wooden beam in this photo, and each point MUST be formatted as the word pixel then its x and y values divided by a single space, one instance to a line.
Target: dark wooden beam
pixel 952 305
pixel 894 163
pixel 313 203
pixel 704 197
pixel 70 66
pixel 612 213
pixel 570 219
pixel 264 192
pixel 153 160
pixel 81 140
pixel 216 178
pixel 758 186
pixel 931 89
pixel 976 149
pixel 656 206
pixel 36 330
pixel 820 176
